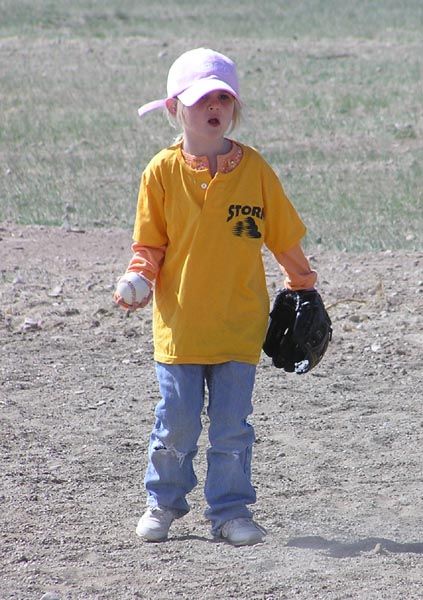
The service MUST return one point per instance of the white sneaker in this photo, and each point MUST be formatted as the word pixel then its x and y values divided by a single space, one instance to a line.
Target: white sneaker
pixel 154 524
pixel 242 532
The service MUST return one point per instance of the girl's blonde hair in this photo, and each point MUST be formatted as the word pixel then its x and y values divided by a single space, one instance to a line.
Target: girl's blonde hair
pixel 178 118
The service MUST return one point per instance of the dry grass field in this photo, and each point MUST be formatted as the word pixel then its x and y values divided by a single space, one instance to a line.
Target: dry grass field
pixel 332 98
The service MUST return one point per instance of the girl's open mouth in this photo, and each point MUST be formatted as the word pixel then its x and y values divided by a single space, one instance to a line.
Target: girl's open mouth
pixel 214 121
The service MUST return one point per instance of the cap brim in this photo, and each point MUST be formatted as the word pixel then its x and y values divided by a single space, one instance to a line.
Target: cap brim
pixel 156 104
pixel 202 87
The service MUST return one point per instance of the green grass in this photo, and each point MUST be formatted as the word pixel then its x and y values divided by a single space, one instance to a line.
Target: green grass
pixel 332 97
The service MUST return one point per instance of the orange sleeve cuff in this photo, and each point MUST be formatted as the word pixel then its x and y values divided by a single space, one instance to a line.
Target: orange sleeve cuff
pixel 296 269
pixel 146 260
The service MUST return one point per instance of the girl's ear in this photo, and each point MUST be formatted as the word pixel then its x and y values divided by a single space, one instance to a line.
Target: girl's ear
pixel 171 104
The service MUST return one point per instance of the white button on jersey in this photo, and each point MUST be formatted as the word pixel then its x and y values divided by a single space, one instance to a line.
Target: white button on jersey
pixel 204 186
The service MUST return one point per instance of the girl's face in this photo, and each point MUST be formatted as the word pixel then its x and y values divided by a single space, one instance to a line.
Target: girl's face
pixel 210 117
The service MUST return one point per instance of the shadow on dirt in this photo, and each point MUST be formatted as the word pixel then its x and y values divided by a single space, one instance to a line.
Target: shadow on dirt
pixel 343 549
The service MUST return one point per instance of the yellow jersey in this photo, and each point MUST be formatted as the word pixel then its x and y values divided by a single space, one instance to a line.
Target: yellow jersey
pixel 210 301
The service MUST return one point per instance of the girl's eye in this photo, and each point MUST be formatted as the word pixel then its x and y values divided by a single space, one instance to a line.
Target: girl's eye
pixel 223 97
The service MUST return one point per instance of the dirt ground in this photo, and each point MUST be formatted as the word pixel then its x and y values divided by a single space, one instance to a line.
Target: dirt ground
pixel 337 464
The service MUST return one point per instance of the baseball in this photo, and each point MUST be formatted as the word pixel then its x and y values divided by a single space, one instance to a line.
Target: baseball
pixel 132 288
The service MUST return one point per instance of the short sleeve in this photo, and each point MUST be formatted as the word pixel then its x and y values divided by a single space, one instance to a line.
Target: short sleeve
pixel 284 227
pixel 150 225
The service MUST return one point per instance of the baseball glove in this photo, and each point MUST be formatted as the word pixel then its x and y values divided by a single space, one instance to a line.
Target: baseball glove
pixel 299 331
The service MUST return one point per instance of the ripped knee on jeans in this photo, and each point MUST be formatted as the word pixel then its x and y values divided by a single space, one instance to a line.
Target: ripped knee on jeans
pixel 171 450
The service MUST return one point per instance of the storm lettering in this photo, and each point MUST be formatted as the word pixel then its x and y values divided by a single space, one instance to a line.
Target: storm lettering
pixel 245 210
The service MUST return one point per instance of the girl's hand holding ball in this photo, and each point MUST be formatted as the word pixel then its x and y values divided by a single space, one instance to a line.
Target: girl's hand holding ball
pixel 133 291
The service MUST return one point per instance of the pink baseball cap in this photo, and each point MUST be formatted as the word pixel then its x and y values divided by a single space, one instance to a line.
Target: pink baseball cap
pixel 194 74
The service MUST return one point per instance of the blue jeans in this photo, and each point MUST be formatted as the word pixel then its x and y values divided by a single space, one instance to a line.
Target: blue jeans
pixel 173 443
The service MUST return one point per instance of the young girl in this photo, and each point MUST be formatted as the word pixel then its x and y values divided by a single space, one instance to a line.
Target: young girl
pixel 206 206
